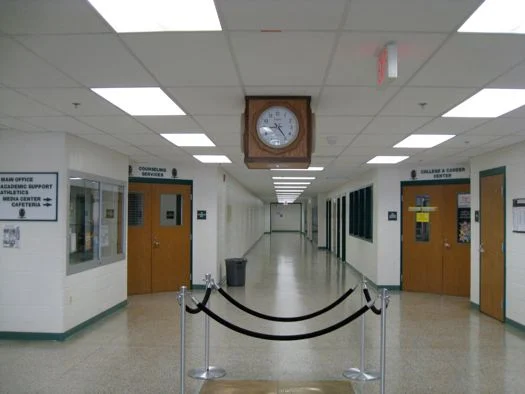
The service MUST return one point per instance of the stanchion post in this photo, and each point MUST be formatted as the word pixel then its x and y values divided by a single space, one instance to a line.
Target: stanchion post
pixel 360 374
pixel 182 302
pixel 384 303
pixel 207 372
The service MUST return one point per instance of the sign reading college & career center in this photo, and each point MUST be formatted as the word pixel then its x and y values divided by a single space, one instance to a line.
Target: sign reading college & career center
pixel 26 196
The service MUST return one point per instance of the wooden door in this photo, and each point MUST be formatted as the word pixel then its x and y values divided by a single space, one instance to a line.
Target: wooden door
pixel 422 239
pixel 139 238
pixel 456 240
pixel 492 259
pixel 159 257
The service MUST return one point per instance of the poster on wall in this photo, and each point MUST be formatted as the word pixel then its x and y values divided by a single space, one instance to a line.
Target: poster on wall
pixel 11 236
pixel 463 218
pixel 518 215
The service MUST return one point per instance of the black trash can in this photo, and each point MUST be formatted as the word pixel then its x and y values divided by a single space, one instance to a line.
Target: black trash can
pixel 236 271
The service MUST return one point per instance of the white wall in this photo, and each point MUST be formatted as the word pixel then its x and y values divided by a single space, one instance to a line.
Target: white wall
pixel 32 277
pixel 379 260
pixel 244 219
pixel 286 217
pixel 514 160
pixel 88 293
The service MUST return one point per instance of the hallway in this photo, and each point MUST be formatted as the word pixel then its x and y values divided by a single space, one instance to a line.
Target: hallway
pixel 435 344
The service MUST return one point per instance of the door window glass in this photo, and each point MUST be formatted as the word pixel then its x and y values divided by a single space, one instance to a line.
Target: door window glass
pixel 171 210
pixel 422 219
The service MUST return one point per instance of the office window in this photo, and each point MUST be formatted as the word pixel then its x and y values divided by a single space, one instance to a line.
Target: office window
pixel 95 222
pixel 360 223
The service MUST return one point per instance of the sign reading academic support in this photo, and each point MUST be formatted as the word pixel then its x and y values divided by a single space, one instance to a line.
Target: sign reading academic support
pixel 26 196
pixel 439 173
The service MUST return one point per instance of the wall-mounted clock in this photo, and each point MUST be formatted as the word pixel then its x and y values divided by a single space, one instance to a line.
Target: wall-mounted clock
pixel 277 132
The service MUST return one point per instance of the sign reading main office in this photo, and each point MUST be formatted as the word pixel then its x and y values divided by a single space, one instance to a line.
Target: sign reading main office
pixel 28 196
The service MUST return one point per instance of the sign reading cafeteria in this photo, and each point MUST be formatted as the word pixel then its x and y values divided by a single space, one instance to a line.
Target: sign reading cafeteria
pixel 28 196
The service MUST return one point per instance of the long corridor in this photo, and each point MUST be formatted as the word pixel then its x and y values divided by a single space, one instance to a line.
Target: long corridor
pixel 435 344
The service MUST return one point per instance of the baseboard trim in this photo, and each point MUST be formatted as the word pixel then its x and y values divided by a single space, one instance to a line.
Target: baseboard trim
pixel 515 324
pixel 371 282
pixel 322 248
pixel 44 336
pixel 473 305
pixel 198 287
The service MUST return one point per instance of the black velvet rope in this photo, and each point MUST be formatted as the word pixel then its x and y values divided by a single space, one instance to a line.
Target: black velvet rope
pixel 194 311
pixel 366 292
pixel 298 337
pixel 285 319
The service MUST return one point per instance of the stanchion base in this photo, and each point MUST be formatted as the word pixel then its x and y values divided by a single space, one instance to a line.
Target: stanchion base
pixel 361 376
pixel 207 374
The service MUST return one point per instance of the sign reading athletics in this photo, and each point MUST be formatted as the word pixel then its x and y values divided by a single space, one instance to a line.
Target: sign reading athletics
pixel 28 196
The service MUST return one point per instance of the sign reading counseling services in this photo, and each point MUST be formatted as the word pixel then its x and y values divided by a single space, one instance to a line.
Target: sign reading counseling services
pixel 152 171
pixel 28 196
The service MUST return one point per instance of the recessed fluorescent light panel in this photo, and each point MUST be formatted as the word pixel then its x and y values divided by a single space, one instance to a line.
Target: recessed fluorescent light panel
pixel 291 178
pixel 140 101
pixel 285 191
pixel 277 187
pixel 292 183
pixel 189 139
pixel 423 140
pixel 387 159
pixel 497 16
pixel 298 169
pixel 217 159
pixel 127 16
pixel 488 103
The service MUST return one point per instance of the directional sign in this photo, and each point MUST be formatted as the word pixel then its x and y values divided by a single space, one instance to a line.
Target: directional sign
pixel 28 196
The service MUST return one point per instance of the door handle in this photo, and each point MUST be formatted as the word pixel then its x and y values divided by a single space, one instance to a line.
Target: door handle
pixel 446 244
pixel 156 243
pixel 481 248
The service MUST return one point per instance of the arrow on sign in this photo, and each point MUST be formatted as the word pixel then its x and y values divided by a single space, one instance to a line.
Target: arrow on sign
pixel 47 199
pixel 47 204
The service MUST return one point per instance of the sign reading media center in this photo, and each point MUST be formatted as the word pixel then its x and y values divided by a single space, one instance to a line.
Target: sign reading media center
pixel 28 196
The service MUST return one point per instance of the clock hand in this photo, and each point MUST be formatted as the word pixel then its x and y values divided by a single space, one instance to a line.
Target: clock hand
pixel 279 128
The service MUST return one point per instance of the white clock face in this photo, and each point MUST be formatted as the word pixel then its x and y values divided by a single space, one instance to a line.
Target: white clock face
pixel 277 127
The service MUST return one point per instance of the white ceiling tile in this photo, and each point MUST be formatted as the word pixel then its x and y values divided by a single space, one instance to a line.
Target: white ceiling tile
pixel 114 124
pixel 377 140
pixel 285 59
pixel 450 125
pixel 21 68
pixel 517 113
pixel 467 141
pixel 395 125
pixel 61 123
pixel 438 100
pixel 209 100
pixel 219 125
pixel 330 125
pixel 353 100
pixel 19 124
pixel 333 140
pixel 281 15
pixel 49 17
pixel 102 139
pixel 127 149
pixel 471 60
pixel 96 61
pixel 15 104
pixel 145 139
pixel 355 60
pixel 513 79
pixel 498 127
pixel 329 150
pixel 409 15
pixel 64 100
pixel 169 124
pixel 506 141
pixel 185 59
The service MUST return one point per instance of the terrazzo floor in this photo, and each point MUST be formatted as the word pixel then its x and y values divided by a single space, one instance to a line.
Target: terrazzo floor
pixel 435 344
